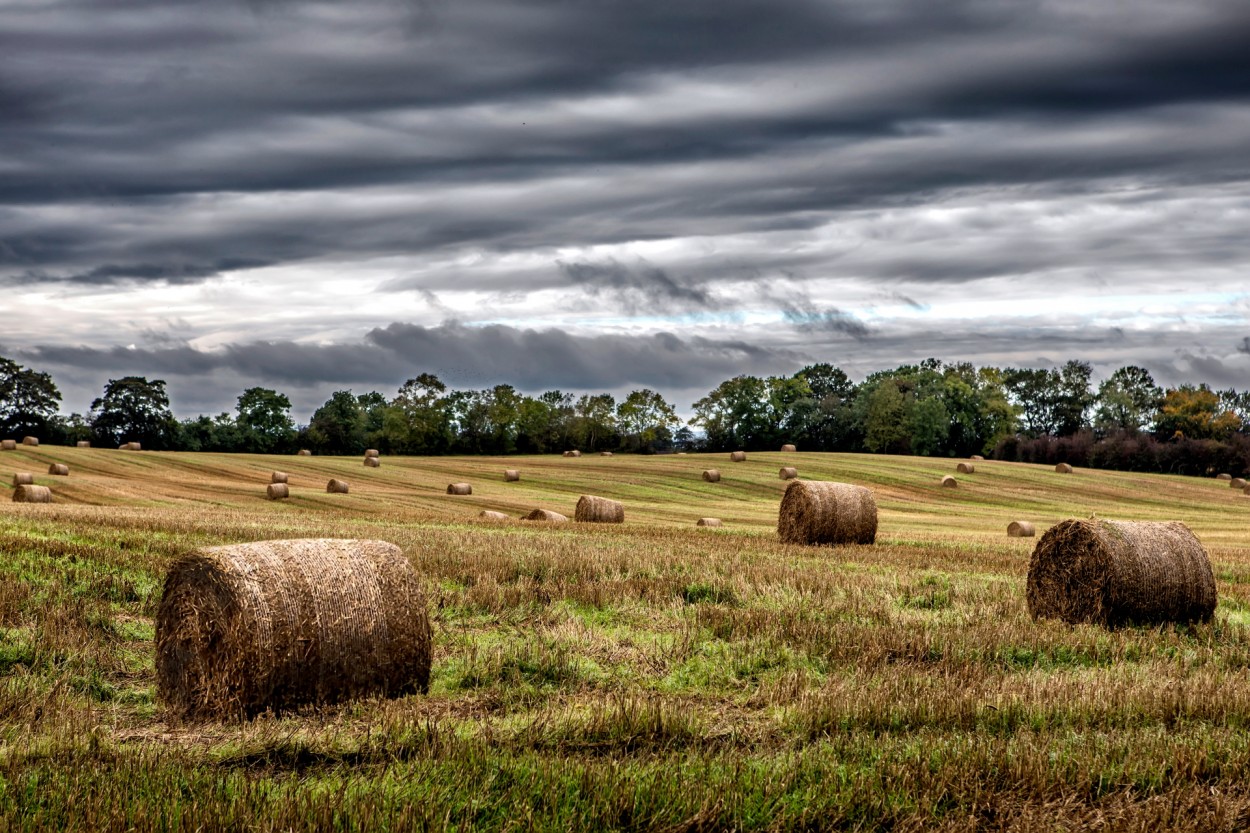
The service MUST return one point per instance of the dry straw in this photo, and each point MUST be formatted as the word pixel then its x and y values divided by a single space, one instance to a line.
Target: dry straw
pixel 977 457
pixel 8 445
pixel 32 494
pixel 23 478
pixel 1021 529
pixel 303 452
pixel 789 447
pixel 708 522
pixel 371 452
pixel 1119 572
pixel 605 453
pixel 274 625
pixel 737 456
pixel 1246 491
pixel 459 489
pixel 1237 483
pixel 572 454
pixel 372 462
pixel 815 512
pixel 131 446
pixel 1063 468
pixel 966 468
pixel 787 473
pixel 545 515
pixel 277 491
pixel 59 469
pixel 711 475
pixel 491 515
pixel 278 477
pixel 949 482
pixel 511 475
pixel 336 487
pixel 83 444
pixel 599 510
pixel 1224 476
pixel 30 441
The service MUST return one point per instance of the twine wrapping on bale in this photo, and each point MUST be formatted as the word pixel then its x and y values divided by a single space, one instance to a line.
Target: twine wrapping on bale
pixel 1063 468
pixel 787 473
pixel 1021 529
pixel 32 494
pixel 712 475
pixel 511 475
pixel 23 478
pixel 371 452
pixel 949 482
pixel 789 447
pixel 544 515
pixel 459 489
pixel 8 445
pixel 303 452
pixel 59 469
pixel 815 512
pixel 1224 476
pixel 30 441
pixel 278 477
pixel 1237 483
pixel 737 456
pixel 274 625
pixel 708 522
pixel 277 491
pixel 336 487
pixel 372 462
pixel 599 510
pixel 1120 572
pixel 491 515
pixel 83 444
pixel 966 468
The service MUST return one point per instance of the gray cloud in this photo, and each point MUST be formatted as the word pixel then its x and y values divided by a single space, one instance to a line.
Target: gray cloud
pixel 638 287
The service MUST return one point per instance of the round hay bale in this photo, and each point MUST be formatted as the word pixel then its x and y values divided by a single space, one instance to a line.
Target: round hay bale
pixel 23 478
pixel 8 445
pixel 278 477
pixel 32 494
pixel 605 453
pixel 303 452
pixel 545 515
pixel 372 462
pixel 273 625
pixel 599 510
pixel 490 515
pixel 30 441
pixel 336 487
pixel 787 473
pixel 572 454
pixel 1063 468
pixel 737 456
pixel 1021 529
pixel 949 482
pixel 965 468
pixel 459 489
pixel 1117 572
pixel 59 469
pixel 708 522
pixel 1246 491
pixel 788 447
pixel 711 475
pixel 277 491
pixel 371 452
pixel 131 446
pixel 1224 476
pixel 977 457
pixel 815 512
pixel 83 444
pixel 511 475
pixel 1237 483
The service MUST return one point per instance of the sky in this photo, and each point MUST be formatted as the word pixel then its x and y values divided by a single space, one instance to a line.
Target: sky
pixel 606 195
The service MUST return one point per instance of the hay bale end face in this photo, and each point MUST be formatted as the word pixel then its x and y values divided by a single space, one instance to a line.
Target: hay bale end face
pixel 303 452
pixel 708 522
pixel 8 445
pixel 545 515
pixel 59 469
pixel 1120 572
pixel 277 491
pixel 965 468
pixel 737 456
pixel 83 444
pixel 32 494
pixel 511 475
pixel 1063 468
pixel 1224 476
pixel 372 462
pixel 459 489
pixel 1021 529
pixel 491 515
pixel 1237 483
pixel 336 487
pixel 815 512
pixel 788 473
pixel 131 446
pixel 599 510
pixel 711 475
pixel 274 625
pixel 371 452
pixel 572 454
pixel 605 453
pixel 23 478
pixel 30 441
pixel 788 447
pixel 949 482
pixel 278 477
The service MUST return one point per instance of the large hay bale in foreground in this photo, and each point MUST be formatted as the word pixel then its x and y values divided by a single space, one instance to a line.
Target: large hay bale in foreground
pixel 1237 483
pixel 737 456
pixel 372 462
pixel 1021 529
pixel 788 447
pixel 32 494
pixel 83 444
pixel 303 452
pixel 1063 468
pixel 708 522
pixel 711 475
pixel 459 489
pixel 511 475
pixel 491 515
pixel 23 478
pixel 544 515
pixel 816 512
pixel 273 625
pixel 787 473
pixel 1119 572
pixel 966 468
pixel 1224 476
pixel 572 454
pixel 279 477
pixel 949 482
pixel 599 510
pixel 277 491
pixel 336 487
pixel 59 469
pixel 8 445
pixel 30 441
pixel 371 452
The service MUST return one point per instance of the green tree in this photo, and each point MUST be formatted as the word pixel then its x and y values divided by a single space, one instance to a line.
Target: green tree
pixel 264 421
pixel 1196 413
pixel 735 414
pixel 646 421
pixel 134 409
pixel 28 400
pixel 338 426
pixel 1127 401
pixel 594 422
pixel 885 419
pixel 418 420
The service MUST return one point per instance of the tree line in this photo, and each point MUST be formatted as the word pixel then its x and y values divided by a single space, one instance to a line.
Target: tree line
pixel 932 409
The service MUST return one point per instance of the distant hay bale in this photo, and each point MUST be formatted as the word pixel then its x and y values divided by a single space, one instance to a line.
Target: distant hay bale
pixel 303 452
pixel 1021 529
pixel 1119 572
pixel 130 446
pixel 8 445
pixel 977 457
pixel 59 469
pixel 32 494
pixel 1063 468
pixel 708 522
pixel 459 489
pixel 787 473
pixel 336 487
pixel 372 462
pixel 278 477
pixel 949 482
pixel 965 468
pixel 572 454
pixel 816 512
pixel 511 475
pixel 30 441
pixel 274 625
pixel 1224 476
pixel 371 452
pixel 1237 483
pixel 1246 491
pixel 737 456
pixel 605 453
pixel 277 491
pixel 23 478
pixel 83 444
pixel 711 475
pixel 545 515
pixel 490 515
pixel 599 510
pixel 789 447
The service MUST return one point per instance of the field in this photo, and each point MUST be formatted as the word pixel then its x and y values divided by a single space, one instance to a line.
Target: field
pixel 650 675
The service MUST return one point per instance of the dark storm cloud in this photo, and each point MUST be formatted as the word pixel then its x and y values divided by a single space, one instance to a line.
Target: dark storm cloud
pixel 1244 346
pixel 637 287
pixel 169 273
